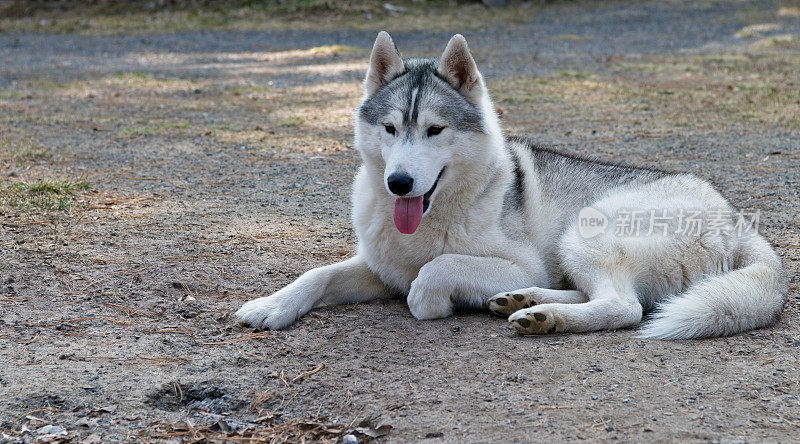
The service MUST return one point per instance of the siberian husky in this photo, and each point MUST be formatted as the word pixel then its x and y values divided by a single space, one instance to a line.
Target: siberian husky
pixel 450 213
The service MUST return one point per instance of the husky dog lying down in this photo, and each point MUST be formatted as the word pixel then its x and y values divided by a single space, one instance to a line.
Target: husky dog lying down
pixel 451 213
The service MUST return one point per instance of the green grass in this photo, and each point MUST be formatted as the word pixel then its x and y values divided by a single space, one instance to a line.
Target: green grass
pixel 58 187
pixel 42 194
pixel 292 121
pixel 6 95
pixel 571 37
pixel 574 74
pixel 240 90
pixel 133 76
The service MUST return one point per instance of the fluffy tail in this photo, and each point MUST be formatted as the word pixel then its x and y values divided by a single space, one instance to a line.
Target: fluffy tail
pixel 751 296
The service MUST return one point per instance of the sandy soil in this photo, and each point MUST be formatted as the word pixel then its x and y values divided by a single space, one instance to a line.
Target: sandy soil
pixel 220 165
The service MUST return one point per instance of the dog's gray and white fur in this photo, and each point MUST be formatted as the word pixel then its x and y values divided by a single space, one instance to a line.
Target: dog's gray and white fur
pixel 500 224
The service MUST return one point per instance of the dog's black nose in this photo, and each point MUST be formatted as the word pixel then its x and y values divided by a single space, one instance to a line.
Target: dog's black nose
pixel 400 183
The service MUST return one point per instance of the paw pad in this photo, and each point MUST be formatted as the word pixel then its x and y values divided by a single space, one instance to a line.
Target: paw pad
pixel 536 323
pixel 504 304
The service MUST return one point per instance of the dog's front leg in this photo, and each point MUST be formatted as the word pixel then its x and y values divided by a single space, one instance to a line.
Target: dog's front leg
pixel 465 281
pixel 340 283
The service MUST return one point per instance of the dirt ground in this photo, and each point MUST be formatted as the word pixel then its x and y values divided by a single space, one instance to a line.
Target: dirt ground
pixel 218 167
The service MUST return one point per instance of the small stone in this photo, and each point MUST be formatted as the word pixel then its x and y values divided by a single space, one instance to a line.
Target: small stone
pixel 94 438
pixel 51 433
pixel 349 439
pixel 108 408
pixel 87 422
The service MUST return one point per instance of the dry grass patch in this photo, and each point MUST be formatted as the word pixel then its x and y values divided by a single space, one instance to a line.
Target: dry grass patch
pixel 757 30
pixel 18 152
pixel 155 128
pixel 144 80
pixel 21 149
pixel 305 119
pixel 292 121
pixel 572 37
pixel 110 18
pixel 333 50
pixel 117 90
pixel 789 11
pixel 667 94
pixel 571 99
pixel 728 89
pixel 777 42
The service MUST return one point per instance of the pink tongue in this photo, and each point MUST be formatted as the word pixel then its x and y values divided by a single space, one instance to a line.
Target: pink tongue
pixel 407 214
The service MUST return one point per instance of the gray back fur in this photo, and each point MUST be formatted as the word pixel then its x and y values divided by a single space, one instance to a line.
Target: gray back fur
pixel 569 178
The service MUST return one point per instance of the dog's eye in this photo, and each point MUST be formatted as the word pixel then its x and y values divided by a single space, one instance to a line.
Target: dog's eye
pixel 434 130
pixel 389 129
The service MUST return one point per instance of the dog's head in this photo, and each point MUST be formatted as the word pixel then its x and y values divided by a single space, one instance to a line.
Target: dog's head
pixel 424 121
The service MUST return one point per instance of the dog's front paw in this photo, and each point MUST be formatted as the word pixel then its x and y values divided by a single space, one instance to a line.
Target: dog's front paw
pixel 270 312
pixel 537 321
pixel 427 303
pixel 503 304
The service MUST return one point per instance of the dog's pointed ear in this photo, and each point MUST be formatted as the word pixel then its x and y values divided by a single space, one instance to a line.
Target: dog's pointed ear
pixel 384 64
pixel 459 69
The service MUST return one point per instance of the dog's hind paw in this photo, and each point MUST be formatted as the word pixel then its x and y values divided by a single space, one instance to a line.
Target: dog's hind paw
pixel 503 304
pixel 536 321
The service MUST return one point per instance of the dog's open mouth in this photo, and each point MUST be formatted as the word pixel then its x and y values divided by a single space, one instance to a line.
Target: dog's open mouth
pixel 408 211
pixel 426 198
